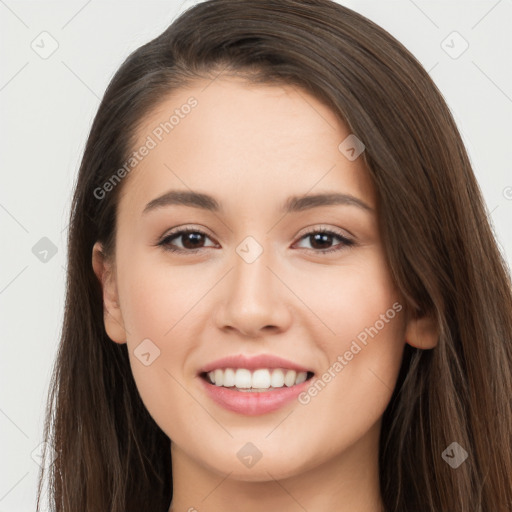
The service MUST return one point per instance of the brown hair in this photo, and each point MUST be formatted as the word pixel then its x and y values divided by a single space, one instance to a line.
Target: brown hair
pixel 441 251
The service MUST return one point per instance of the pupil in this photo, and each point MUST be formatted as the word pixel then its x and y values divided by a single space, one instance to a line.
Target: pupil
pixel 194 238
pixel 322 238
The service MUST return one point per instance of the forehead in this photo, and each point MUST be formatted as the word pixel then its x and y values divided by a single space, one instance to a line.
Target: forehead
pixel 245 142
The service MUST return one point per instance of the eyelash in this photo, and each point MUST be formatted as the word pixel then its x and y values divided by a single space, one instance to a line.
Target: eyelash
pixel 165 242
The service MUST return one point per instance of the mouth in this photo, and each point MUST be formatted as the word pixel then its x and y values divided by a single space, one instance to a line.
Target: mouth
pixel 260 380
pixel 254 385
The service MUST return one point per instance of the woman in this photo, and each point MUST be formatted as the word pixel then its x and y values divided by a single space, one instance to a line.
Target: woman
pixel 283 290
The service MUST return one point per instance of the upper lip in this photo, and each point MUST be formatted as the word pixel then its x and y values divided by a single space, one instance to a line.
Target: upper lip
pixel 253 363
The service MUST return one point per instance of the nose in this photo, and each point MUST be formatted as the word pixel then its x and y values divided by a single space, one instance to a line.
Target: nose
pixel 254 301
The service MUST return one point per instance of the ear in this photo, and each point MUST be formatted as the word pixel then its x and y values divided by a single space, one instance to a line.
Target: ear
pixel 112 317
pixel 422 332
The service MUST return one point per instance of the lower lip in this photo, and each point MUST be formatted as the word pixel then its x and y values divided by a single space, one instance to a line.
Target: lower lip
pixel 253 403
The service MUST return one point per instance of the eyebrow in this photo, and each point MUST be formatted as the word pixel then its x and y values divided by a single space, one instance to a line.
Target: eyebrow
pixel 291 205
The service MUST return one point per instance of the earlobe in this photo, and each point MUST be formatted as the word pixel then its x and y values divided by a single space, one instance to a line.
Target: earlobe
pixel 422 332
pixel 112 316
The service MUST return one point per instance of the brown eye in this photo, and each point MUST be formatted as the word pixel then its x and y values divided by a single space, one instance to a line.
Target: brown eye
pixel 191 240
pixel 321 241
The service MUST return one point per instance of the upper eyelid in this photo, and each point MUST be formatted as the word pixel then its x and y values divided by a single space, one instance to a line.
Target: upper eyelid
pixel 304 231
pixel 179 231
pixel 322 227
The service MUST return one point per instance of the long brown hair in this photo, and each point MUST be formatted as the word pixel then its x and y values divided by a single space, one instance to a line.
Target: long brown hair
pixel 111 455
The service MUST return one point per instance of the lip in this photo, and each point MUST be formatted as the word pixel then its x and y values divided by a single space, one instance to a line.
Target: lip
pixel 253 403
pixel 253 363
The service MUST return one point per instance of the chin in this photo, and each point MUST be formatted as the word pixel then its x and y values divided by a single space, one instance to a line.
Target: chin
pixel 276 466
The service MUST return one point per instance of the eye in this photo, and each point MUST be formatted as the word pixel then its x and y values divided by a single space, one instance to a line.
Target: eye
pixel 192 239
pixel 322 237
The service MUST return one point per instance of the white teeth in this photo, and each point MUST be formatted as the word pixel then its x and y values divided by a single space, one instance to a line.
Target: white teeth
pixel 301 377
pixel 277 380
pixel 258 380
pixel 261 379
pixel 229 378
pixel 289 378
pixel 242 378
pixel 219 377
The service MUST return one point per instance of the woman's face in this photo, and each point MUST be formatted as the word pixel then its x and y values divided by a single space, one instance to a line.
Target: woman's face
pixel 257 282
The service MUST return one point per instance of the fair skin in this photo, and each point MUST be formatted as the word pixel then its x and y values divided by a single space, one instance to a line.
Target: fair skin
pixel 251 147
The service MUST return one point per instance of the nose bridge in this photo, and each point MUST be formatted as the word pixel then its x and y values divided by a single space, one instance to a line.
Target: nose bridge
pixel 251 278
pixel 253 299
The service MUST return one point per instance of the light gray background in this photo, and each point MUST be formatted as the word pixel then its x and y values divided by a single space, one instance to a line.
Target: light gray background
pixel 47 105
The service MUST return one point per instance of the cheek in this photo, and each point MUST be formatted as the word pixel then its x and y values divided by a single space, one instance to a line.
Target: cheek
pixel 157 305
pixel 155 296
pixel 363 355
pixel 348 300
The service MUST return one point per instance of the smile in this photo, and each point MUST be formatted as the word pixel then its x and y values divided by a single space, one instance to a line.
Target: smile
pixel 258 380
